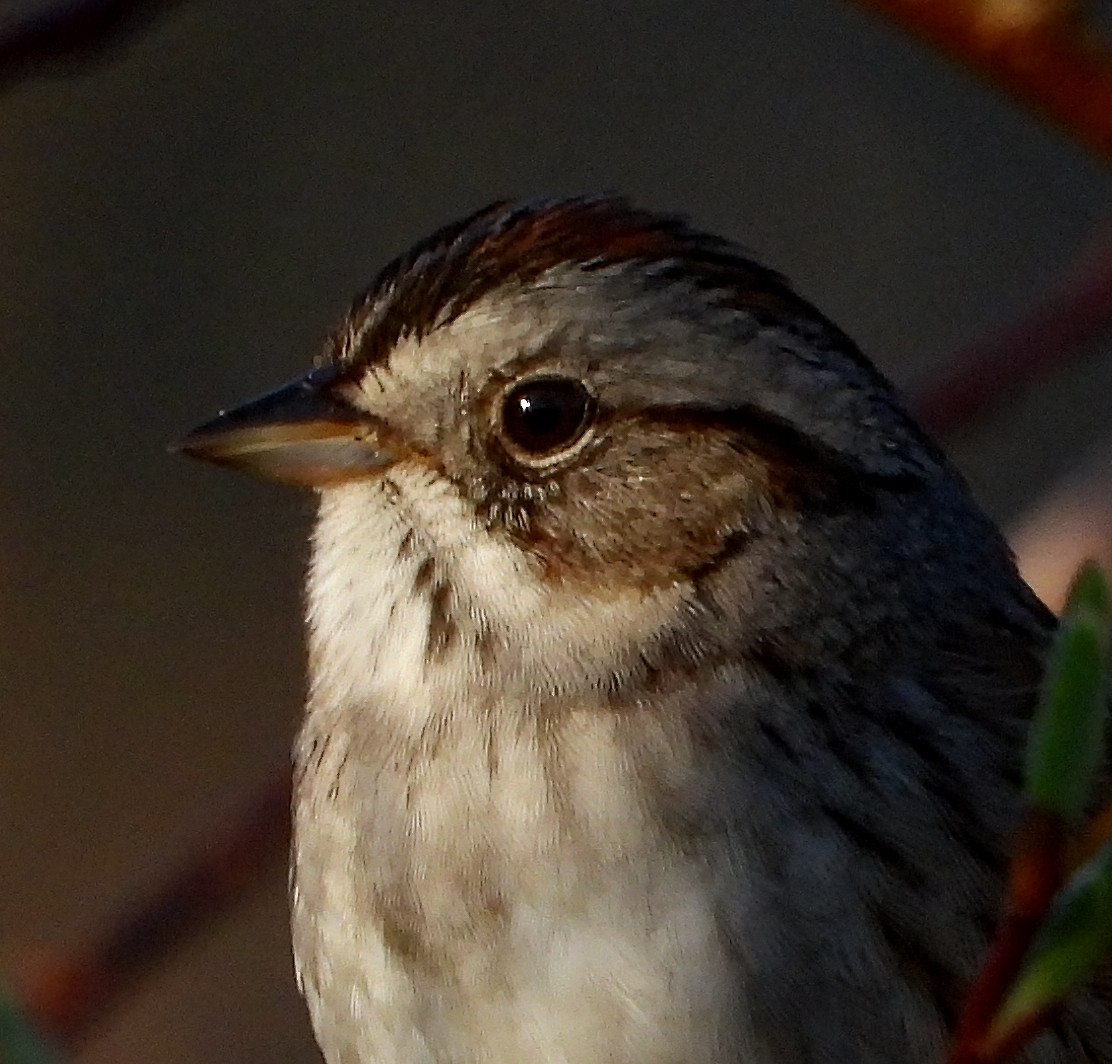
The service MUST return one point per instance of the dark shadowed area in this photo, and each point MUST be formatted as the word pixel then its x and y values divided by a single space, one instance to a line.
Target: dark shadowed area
pixel 182 221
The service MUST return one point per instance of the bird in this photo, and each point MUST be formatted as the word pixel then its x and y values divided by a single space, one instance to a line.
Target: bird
pixel 667 688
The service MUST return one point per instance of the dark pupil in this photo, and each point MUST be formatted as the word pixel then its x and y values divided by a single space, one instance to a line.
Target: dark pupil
pixel 546 415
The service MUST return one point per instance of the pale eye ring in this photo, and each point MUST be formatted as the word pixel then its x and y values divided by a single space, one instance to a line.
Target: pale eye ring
pixel 544 416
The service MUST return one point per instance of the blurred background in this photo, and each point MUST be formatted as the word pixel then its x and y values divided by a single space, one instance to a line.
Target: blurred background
pixel 183 217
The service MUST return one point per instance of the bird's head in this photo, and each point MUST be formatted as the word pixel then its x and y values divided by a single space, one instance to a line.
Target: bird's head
pixel 581 415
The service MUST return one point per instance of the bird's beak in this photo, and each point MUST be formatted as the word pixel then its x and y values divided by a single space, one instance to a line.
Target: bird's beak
pixel 302 434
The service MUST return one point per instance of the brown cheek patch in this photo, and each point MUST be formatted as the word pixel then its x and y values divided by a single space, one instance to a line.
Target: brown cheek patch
pixel 675 491
pixel 650 516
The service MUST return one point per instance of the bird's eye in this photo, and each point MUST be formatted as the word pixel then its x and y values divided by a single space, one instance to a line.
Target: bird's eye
pixel 545 415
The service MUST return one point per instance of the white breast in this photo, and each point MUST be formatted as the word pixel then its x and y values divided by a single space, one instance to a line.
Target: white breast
pixel 478 876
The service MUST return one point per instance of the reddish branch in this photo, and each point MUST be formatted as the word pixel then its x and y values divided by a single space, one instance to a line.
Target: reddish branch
pixel 68 30
pixel 67 992
pixel 1049 336
pixel 1047 59
pixel 1037 873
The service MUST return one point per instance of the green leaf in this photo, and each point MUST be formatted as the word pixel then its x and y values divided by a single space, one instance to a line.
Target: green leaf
pixel 20 1043
pixel 1091 591
pixel 1066 739
pixel 1075 938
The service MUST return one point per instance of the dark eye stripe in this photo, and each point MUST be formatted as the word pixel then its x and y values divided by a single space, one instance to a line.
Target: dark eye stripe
pixel 782 444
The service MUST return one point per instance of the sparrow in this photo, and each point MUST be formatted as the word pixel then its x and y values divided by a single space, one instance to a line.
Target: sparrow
pixel 667 687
